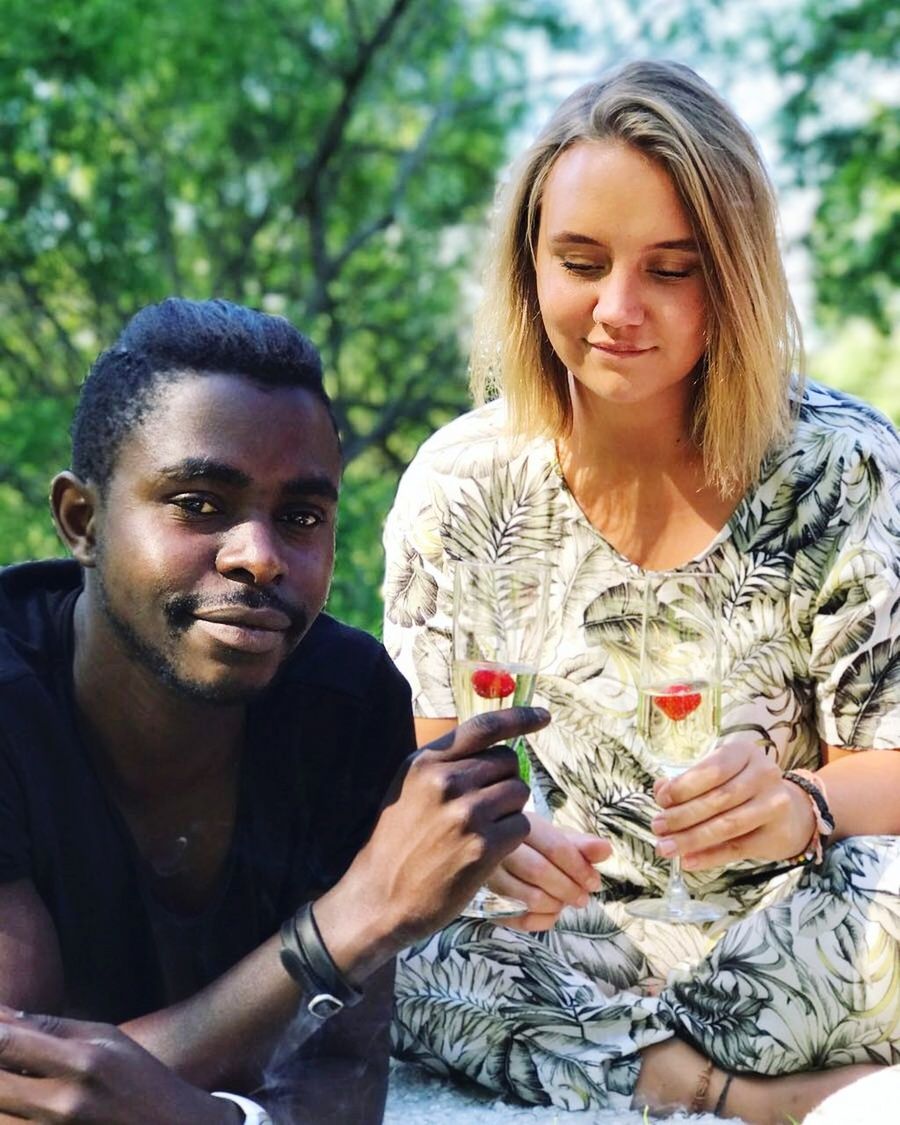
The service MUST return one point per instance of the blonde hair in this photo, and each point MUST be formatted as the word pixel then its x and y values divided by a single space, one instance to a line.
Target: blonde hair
pixel 742 407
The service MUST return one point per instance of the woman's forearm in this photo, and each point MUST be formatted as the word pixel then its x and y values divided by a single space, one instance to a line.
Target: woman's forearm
pixel 863 792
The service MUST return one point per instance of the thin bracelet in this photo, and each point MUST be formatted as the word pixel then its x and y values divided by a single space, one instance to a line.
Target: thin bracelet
pixel 723 1095
pixel 698 1104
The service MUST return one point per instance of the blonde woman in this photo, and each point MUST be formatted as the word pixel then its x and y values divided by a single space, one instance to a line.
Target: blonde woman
pixel 639 331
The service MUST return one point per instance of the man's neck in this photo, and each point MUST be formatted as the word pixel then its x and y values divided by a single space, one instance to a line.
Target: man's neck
pixel 146 738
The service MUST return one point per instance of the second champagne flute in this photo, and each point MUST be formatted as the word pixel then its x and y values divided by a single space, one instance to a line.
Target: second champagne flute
pixel 499 621
pixel 679 702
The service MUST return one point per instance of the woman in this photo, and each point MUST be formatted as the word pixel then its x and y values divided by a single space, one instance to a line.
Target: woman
pixel 640 330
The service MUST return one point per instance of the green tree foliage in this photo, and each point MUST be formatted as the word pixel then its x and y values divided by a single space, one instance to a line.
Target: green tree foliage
pixel 323 159
pixel 840 128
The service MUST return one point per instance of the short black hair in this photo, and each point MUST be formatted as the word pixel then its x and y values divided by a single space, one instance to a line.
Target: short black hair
pixel 165 342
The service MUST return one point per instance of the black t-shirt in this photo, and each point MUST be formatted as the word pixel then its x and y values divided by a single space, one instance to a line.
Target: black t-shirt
pixel 323 744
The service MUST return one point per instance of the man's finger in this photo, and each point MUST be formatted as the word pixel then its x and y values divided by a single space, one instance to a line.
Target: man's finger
pixel 24 1098
pixel 23 1048
pixel 482 731
pixel 57 1026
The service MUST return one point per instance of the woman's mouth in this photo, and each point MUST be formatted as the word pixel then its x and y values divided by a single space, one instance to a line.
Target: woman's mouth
pixel 620 351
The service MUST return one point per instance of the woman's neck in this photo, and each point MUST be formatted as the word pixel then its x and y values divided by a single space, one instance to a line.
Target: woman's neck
pixel 639 478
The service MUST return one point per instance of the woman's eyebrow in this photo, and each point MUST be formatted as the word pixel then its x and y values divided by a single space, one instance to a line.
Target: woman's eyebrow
pixel 571 237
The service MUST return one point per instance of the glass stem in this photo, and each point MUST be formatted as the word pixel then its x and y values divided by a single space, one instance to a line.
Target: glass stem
pixel 676 892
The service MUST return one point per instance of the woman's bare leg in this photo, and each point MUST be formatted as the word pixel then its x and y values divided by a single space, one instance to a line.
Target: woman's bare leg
pixel 671 1073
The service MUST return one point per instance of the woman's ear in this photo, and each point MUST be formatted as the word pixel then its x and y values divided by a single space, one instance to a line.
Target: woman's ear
pixel 74 507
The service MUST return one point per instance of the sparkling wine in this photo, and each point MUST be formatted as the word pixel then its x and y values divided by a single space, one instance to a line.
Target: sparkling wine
pixel 484 685
pixel 679 722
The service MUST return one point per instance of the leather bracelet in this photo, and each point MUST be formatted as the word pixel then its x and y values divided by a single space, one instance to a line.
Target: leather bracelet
pixel 824 821
pixel 254 1114
pixel 306 959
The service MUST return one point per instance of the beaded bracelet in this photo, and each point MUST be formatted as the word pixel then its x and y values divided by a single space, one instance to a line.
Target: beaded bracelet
pixel 814 789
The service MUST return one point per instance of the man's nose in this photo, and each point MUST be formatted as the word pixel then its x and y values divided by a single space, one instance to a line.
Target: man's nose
pixel 251 552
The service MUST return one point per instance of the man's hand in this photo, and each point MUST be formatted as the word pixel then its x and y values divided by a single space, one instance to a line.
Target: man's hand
pixel 69 1070
pixel 732 805
pixel 453 812
pixel 551 870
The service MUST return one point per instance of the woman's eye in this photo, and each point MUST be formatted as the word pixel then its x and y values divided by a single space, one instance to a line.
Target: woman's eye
pixel 672 273
pixel 584 267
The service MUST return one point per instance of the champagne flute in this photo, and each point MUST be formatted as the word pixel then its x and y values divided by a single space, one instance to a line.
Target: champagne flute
pixel 679 703
pixel 499 620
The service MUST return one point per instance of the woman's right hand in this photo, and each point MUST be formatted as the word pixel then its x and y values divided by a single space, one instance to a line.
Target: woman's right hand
pixel 552 869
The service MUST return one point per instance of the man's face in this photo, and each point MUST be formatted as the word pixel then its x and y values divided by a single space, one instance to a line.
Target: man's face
pixel 215 537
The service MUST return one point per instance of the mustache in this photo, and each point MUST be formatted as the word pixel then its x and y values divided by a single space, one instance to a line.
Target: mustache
pixel 181 609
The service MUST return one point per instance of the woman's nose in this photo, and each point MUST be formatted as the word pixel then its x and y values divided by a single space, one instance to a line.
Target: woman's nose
pixel 619 301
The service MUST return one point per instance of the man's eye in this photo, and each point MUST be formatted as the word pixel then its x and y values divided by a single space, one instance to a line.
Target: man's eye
pixel 195 505
pixel 303 518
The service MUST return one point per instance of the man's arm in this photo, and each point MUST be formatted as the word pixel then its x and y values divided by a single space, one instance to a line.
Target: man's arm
pixel 31 973
pixel 454 810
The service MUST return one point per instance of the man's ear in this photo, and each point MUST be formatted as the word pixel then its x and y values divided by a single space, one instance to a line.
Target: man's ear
pixel 74 505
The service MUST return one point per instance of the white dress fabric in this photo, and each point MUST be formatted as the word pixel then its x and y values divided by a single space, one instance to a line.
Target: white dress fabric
pixel 803 971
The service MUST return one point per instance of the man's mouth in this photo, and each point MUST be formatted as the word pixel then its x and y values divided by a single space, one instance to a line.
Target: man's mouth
pixel 253 631
pixel 269 620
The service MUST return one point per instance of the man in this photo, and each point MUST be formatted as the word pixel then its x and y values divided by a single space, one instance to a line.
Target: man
pixel 190 752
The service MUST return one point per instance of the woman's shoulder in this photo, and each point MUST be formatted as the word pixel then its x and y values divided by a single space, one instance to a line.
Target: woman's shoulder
pixel 837 422
pixel 472 446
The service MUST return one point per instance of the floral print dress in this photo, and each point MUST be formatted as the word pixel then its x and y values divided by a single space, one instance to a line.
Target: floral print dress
pixel 804 971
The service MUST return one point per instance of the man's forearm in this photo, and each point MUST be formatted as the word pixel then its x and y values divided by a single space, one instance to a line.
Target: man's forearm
pixel 224 1036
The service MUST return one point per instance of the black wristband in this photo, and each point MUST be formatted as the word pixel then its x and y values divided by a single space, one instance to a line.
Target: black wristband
pixel 307 960
pixel 818 798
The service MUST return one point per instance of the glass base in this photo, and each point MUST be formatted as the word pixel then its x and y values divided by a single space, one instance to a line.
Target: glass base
pixel 486 904
pixel 679 909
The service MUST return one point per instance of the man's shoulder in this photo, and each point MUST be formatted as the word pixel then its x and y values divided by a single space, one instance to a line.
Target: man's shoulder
pixel 33 596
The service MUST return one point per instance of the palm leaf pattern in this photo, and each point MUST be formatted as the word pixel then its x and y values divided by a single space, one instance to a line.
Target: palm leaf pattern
pixel 806 970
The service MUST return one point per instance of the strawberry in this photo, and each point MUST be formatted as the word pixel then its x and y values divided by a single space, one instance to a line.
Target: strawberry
pixel 678 702
pixel 491 684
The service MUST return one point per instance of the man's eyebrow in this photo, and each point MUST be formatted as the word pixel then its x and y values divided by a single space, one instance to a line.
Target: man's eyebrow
pixel 195 468
pixel 205 468
pixel 314 484
pixel 572 237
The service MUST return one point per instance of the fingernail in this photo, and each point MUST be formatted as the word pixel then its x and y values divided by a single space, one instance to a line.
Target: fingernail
pixel 658 825
pixel 666 847
pixel 595 883
pixel 539 713
pixel 582 900
pixel 688 863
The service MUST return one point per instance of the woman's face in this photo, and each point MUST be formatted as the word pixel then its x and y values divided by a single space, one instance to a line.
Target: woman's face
pixel 619 280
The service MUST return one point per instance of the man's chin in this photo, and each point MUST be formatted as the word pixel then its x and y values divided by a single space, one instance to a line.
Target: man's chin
pixel 225 692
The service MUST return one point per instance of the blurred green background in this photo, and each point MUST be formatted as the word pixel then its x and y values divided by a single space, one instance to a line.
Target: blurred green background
pixel 335 161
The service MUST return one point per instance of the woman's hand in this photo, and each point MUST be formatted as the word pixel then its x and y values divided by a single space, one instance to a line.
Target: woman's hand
pixel 733 805
pixel 552 869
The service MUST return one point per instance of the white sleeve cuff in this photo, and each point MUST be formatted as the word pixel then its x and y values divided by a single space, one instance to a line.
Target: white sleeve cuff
pixel 254 1114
